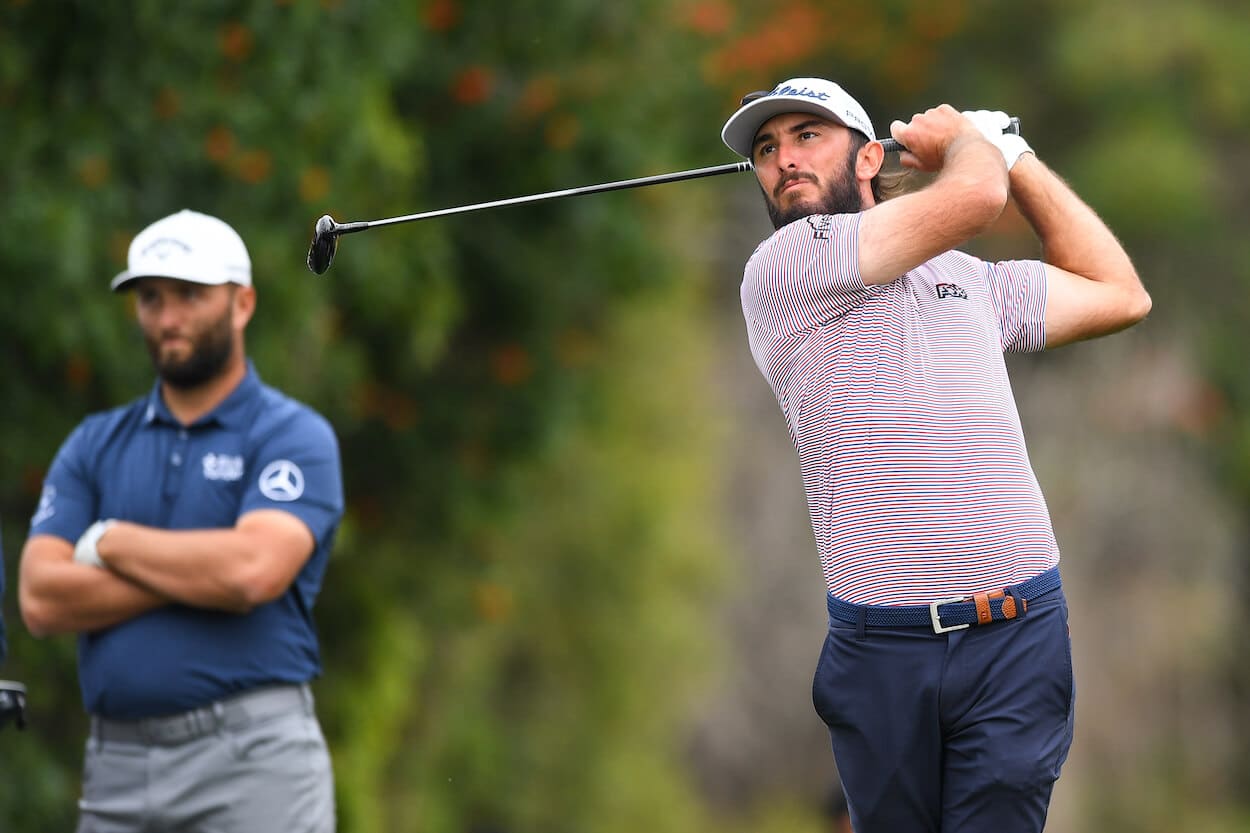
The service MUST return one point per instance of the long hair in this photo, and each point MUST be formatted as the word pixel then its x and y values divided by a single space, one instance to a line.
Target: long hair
pixel 886 184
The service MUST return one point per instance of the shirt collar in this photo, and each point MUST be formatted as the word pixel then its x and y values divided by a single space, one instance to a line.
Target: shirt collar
pixel 232 412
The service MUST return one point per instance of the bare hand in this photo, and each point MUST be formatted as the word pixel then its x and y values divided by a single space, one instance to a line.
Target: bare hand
pixel 929 135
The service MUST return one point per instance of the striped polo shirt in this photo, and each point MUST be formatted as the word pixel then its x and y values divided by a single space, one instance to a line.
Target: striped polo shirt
pixel 898 402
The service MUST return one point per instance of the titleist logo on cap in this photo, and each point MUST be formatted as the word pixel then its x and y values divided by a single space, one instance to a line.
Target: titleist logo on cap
pixel 786 89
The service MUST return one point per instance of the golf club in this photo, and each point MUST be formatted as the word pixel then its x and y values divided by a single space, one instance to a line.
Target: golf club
pixel 327 232
pixel 12 704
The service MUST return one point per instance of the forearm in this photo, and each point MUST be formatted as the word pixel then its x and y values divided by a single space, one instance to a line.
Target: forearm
pixel 199 567
pixel 964 199
pixel 232 569
pixel 1092 288
pixel 1073 237
pixel 59 596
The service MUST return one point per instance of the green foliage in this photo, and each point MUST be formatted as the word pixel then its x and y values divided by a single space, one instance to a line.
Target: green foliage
pixel 480 648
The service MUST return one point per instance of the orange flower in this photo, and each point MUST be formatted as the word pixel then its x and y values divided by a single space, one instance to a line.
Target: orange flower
pixel 253 166
pixel 441 15
pixel 510 365
pixel 796 32
pixel 472 86
pixel 235 41
pixel 219 144
pixel 710 17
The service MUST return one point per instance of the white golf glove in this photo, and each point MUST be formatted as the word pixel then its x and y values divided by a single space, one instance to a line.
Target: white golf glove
pixel 85 550
pixel 992 123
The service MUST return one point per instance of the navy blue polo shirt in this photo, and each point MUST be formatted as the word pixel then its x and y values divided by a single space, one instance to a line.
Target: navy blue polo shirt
pixel 259 449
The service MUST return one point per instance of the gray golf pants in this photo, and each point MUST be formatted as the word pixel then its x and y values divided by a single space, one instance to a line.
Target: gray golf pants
pixel 256 762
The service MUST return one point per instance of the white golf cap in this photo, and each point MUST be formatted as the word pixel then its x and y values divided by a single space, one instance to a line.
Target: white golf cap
pixel 798 95
pixel 188 246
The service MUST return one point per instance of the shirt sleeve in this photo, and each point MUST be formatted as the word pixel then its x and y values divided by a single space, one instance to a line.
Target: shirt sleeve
pixel 1018 293
pixel 69 502
pixel 296 469
pixel 805 275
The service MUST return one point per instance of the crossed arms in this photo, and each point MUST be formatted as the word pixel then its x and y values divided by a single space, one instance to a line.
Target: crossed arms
pixel 233 570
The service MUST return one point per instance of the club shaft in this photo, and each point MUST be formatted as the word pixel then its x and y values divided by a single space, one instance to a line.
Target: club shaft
pixel 659 179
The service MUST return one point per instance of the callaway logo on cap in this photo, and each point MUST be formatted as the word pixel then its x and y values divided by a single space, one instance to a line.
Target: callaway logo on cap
pixel 798 95
pixel 188 246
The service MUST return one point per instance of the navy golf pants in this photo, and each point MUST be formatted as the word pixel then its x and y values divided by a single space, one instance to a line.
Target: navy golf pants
pixel 961 732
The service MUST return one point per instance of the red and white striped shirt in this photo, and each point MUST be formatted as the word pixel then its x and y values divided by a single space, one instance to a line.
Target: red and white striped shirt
pixel 897 399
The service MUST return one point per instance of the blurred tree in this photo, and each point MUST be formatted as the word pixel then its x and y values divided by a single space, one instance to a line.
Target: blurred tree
pixel 512 563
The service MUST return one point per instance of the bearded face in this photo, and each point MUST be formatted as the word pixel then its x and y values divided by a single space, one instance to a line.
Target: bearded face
pixel 188 329
pixel 839 195
pixel 210 349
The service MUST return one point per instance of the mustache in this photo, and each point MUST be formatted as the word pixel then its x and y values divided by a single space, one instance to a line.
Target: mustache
pixel 792 177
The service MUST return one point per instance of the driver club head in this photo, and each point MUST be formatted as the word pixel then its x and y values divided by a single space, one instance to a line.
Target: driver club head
pixel 324 244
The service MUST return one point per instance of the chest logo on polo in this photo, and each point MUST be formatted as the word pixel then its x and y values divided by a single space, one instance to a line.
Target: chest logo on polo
pixel 821 225
pixel 282 480
pixel 950 290
pixel 222 466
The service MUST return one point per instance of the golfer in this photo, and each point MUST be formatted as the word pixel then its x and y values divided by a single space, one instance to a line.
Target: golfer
pixel 946 675
pixel 184 537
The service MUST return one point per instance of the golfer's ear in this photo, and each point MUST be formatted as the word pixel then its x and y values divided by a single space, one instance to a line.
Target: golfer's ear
pixel 869 160
pixel 244 302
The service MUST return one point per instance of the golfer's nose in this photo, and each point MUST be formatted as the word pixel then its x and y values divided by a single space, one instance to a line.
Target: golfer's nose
pixel 785 157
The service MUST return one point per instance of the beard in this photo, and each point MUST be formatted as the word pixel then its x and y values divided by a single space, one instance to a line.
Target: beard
pixel 840 196
pixel 210 351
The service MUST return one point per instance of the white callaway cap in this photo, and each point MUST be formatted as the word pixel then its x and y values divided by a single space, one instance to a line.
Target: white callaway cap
pixel 798 95
pixel 188 246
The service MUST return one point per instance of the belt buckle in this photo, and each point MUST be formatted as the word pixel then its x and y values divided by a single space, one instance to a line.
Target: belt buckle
pixel 938 627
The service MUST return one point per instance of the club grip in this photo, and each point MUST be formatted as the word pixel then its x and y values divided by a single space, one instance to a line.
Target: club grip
pixel 894 146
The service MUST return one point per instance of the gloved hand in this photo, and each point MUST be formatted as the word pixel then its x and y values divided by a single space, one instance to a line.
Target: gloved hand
pixel 992 123
pixel 85 550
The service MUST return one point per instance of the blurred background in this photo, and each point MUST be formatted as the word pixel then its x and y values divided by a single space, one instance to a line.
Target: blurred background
pixel 576 588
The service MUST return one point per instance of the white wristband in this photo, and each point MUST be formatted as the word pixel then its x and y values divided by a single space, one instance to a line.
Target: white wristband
pixel 85 551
